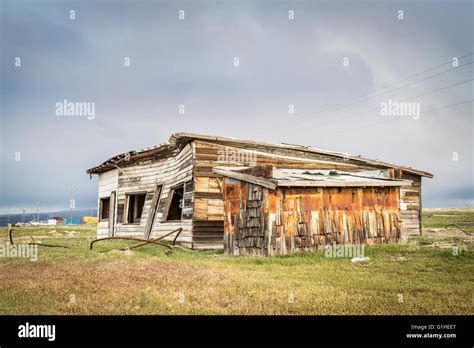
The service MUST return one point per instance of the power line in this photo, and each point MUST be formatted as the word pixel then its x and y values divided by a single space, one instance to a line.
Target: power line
pixel 375 90
pixel 398 88
pixel 410 77
pixel 403 100
pixel 404 117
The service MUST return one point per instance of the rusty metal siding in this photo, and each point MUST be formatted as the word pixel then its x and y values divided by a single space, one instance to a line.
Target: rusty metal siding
pixel 260 221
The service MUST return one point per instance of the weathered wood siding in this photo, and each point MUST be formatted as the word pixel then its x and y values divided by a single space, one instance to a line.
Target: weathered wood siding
pixel 207 157
pixel 108 182
pixel 142 177
pixel 208 199
pixel 410 206
pixel 208 217
pixel 206 213
pixel 260 221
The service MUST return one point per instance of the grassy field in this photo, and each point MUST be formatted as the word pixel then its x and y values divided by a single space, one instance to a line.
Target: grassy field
pixel 423 276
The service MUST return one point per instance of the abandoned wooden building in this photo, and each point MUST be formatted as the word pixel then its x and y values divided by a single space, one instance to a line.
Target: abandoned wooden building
pixel 256 198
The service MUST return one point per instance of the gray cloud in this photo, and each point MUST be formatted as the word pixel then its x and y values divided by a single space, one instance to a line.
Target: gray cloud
pixel 189 62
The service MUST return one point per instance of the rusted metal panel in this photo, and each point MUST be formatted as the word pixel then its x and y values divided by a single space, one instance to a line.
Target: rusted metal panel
pixel 307 218
pixel 232 194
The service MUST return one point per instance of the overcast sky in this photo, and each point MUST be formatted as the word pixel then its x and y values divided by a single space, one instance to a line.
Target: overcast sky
pixel 320 55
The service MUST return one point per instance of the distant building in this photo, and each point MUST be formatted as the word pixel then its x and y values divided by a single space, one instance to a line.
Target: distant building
pixel 89 219
pixel 67 221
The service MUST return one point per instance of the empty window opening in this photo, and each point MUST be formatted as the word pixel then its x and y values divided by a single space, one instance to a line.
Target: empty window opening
pixel 104 209
pixel 135 207
pixel 175 208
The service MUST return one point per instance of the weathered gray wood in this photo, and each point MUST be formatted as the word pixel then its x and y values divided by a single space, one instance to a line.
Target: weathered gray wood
pixel 152 211
pixel 167 205
pixel 113 195
pixel 248 178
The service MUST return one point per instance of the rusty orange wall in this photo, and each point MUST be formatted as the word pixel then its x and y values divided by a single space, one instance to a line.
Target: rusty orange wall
pixel 341 215
pixel 232 197
pixel 294 201
pixel 305 218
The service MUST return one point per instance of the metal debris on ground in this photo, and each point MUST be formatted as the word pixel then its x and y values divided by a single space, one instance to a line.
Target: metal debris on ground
pixel 459 228
pixel 49 245
pixel 144 241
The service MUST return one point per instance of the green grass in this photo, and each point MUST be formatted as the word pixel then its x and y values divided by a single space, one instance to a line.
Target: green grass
pixel 439 218
pixel 398 279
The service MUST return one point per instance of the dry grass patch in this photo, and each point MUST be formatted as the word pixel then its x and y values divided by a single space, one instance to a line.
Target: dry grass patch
pixel 398 279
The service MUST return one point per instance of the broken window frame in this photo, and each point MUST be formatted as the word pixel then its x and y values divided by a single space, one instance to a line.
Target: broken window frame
pixel 128 207
pixel 154 209
pixel 169 199
pixel 101 208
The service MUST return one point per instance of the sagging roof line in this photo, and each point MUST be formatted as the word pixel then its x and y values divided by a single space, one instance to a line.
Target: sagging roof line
pixel 178 140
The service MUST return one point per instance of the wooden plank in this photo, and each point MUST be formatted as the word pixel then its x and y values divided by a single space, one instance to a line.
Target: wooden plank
pixel 297 150
pixel 152 211
pixel 167 205
pixel 208 223
pixel 247 178
pixel 200 209
pixel 112 202
pixel 208 232
pixel 208 195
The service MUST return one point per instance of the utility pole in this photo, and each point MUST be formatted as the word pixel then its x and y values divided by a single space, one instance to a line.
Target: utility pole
pixel 72 203
pixel 37 212
pixel 23 214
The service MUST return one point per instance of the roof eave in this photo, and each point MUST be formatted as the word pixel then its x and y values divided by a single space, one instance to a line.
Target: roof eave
pixel 187 137
pixel 180 139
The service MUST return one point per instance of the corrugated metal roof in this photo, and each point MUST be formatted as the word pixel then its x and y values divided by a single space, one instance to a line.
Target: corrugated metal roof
pixel 298 178
pixel 291 177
